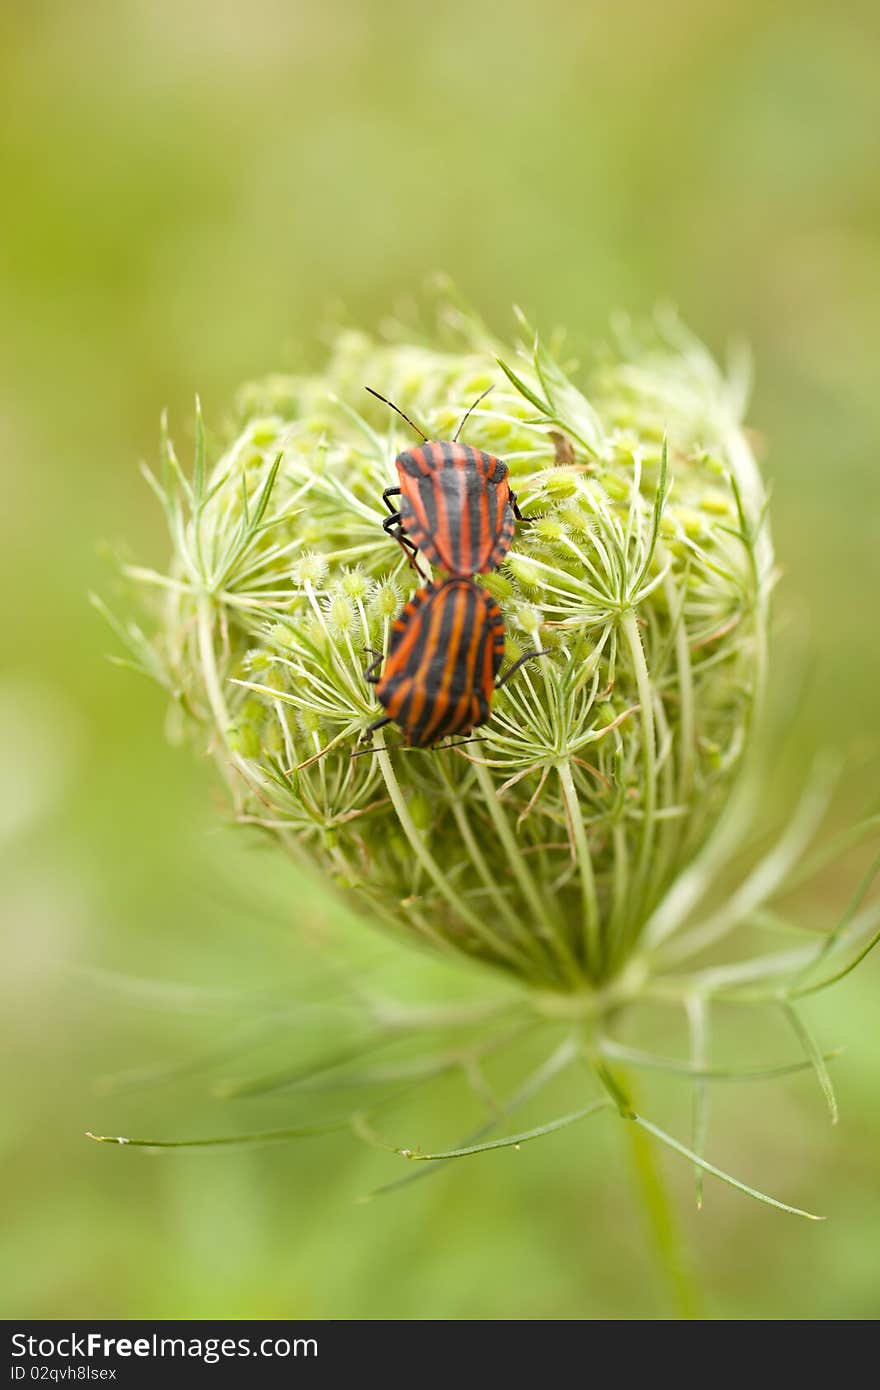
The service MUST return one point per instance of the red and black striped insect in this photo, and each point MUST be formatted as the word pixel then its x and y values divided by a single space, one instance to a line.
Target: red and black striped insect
pixel 444 654
pixel 456 503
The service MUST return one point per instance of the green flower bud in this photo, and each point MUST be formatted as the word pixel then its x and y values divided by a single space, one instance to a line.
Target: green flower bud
pixel 341 613
pixel 386 600
pixel 576 845
pixel 355 584
pixel 650 614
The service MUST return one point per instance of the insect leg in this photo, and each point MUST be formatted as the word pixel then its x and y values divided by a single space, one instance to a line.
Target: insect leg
pixel 368 674
pixel 392 527
pixel 371 728
pixel 516 511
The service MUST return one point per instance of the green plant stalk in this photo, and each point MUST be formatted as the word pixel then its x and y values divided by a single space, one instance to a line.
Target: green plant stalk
pixel 673 1261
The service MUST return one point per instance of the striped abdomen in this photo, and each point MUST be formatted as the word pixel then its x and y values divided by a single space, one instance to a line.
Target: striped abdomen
pixel 444 653
pixel 455 505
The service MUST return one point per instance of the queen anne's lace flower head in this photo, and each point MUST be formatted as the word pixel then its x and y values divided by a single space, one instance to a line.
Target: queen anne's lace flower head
pixel 545 845
pixel 574 841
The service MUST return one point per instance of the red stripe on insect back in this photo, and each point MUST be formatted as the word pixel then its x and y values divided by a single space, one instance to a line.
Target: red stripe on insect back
pixel 486 523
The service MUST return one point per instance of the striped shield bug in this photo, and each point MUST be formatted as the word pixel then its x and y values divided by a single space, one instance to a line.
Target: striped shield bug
pixel 444 654
pixel 456 504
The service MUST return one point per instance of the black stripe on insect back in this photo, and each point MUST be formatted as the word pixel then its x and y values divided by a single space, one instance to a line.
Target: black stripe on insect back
pixel 477 501
pixel 427 493
pixel 414 462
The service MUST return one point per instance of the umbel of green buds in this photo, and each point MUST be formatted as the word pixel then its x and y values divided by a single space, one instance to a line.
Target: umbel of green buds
pixel 549 845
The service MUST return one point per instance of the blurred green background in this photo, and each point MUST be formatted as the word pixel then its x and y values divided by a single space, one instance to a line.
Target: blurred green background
pixel 190 191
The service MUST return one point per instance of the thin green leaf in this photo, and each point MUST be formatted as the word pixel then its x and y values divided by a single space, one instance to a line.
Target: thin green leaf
pixel 216 486
pixel 379 444
pixel 141 657
pixel 524 390
pixel 726 979
pixel 280 519
pixel 768 876
pixel 688 1071
pixel 542 367
pixel 744 525
pixel 164 449
pixel 513 1140
pixel 285 1078
pixel 719 1173
pixel 817 1061
pixel 199 462
pixel 840 975
pixel 177 475
pixel 840 930
pixel 266 491
pixel 567 402
pixel 660 496
pixel 118 628
pixel 769 920
pixel 124 663
pixel 172 996
pixel 836 846
pixel 266 1136
pixel 558 1060
pixel 154 485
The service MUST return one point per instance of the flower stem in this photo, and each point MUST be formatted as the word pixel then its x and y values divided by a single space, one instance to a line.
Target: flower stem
pixel 672 1259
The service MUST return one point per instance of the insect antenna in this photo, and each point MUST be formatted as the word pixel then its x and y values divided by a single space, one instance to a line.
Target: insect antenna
pixel 515 667
pixel 385 401
pixel 469 410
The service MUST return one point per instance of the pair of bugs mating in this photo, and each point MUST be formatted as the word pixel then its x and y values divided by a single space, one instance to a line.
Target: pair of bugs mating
pixel 446 646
